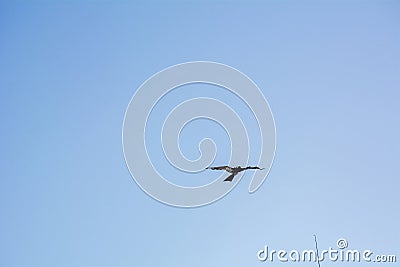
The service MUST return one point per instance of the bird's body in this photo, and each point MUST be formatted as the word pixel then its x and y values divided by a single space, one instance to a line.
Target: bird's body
pixel 233 170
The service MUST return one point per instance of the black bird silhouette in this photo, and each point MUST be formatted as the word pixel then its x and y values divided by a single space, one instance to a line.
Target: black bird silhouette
pixel 233 170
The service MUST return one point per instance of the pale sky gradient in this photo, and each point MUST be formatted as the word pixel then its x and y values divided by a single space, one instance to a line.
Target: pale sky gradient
pixel 329 69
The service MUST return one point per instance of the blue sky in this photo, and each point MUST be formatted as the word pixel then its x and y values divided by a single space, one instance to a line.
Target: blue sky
pixel 329 70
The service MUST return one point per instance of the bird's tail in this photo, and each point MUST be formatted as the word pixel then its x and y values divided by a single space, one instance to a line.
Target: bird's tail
pixel 229 178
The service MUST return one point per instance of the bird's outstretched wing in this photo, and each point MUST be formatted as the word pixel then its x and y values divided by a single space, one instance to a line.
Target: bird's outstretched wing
pixel 230 177
pixel 253 168
pixel 217 168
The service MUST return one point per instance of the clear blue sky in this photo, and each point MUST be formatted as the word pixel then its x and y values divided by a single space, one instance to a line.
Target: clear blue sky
pixel 330 71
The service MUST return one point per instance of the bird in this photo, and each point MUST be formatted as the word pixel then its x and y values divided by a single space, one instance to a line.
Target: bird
pixel 233 170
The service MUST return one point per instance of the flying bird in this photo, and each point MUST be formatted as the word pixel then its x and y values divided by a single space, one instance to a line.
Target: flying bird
pixel 233 170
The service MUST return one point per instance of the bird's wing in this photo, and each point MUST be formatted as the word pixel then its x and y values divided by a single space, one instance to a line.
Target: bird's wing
pixel 253 168
pixel 218 168
pixel 230 177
